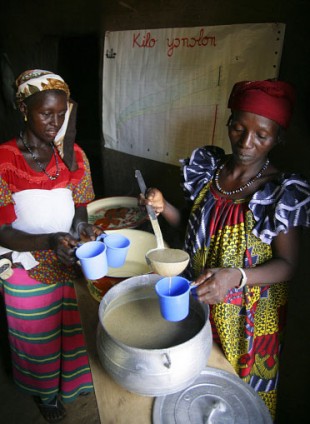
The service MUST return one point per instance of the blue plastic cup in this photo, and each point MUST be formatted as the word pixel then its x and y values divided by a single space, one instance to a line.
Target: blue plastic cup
pixel 173 294
pixel 93 259
pixel 117 249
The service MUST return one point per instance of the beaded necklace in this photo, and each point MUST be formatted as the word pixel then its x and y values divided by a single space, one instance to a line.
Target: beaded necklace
pixel 238 190
pixel 51 177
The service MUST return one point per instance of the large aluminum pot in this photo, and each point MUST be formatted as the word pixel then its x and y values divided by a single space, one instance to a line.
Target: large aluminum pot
pixel 151 372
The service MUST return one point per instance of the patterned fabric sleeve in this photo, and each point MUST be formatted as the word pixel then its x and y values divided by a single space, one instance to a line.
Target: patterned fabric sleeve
pixel 280 205
pixel 199 169
pixel 83 191
pixel 5 193
pixel 7 214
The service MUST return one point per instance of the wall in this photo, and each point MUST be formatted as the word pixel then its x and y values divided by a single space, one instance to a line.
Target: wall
pixel 30 32
pixel 156 14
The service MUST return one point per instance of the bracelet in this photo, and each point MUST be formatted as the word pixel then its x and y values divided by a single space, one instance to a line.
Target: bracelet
pixel 243 280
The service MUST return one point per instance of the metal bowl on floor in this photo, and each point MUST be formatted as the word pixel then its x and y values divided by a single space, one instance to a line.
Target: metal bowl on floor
pixel 216 396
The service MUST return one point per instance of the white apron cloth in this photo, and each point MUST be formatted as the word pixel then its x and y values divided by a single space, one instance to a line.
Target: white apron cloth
pixel 41 212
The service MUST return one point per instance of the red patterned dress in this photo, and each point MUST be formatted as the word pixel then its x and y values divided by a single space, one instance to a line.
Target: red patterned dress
pixel 45 334
pixel 221 232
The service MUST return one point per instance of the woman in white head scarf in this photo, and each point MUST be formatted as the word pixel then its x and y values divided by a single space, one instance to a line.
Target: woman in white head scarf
pixel 45 186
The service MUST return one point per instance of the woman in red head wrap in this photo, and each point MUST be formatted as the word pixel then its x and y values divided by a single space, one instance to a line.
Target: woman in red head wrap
pixel 272 99
pixel 243 231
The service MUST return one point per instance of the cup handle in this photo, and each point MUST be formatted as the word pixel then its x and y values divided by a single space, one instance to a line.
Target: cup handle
pixel 193 291
pixel 78 245
pixel 101 237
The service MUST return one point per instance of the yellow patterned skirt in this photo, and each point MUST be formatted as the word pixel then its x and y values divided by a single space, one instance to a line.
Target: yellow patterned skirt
pixel 249 323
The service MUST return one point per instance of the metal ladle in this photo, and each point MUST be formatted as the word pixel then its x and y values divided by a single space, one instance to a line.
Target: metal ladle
pixel 163 261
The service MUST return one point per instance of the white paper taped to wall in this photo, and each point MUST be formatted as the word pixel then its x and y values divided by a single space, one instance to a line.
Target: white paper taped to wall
pixel 165 91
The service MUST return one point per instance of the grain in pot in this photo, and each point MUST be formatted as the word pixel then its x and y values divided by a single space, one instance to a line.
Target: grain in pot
pixel 168 255
pixel 139 324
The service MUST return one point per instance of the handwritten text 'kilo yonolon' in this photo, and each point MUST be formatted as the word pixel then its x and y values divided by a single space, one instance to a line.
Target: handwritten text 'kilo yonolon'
pixel 148 41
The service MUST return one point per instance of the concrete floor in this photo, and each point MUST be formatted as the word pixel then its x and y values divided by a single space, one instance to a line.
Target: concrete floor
pixel 17 408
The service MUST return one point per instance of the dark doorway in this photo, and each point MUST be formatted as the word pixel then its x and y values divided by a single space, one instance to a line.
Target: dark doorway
pixel 79 64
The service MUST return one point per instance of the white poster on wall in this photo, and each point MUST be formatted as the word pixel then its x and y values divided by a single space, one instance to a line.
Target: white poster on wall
pixel 165 91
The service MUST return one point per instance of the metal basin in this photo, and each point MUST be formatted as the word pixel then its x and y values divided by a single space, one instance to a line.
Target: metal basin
pixel 161 362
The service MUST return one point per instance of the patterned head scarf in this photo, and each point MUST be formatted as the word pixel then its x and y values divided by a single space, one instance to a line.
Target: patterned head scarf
pixel 37 80
pixel 272 99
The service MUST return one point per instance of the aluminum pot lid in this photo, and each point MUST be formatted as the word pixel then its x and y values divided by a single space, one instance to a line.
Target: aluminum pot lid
pixel 216 397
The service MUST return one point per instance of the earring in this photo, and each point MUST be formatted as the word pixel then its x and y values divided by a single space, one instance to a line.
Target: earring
pixel 25 118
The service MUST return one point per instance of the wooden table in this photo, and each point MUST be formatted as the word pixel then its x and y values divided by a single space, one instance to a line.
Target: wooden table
pixel 116 405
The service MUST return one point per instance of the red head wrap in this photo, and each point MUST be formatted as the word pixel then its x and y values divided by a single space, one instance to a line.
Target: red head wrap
pixel 272 99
